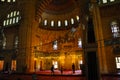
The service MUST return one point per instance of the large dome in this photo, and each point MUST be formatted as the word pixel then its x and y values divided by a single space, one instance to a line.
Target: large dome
pixel 60 6
pixel 61 14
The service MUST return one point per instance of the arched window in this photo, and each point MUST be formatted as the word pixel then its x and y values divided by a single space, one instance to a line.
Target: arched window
pixel 18 13
pixel 14 0
pixel 8 16
pixel 52 23
pixel 45 22
pixel 7 21
pixel 8 0
pixel 55 45
pixel 115 29
pixel 11 0
pixel 105 1
pixel 2 0
pixel 17 19
pixel 12 18
pixel 117 62
pixel 77 17
pixel 112 0
pixel 66 23
pixel 72 21
pixel 10 21
pixel 4 23
pixel 59 23
pixel 14 13
pixel 11 15
pixel 79 43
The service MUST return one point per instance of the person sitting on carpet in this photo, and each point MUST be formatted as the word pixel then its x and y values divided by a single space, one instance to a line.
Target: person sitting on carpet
pixel 34 76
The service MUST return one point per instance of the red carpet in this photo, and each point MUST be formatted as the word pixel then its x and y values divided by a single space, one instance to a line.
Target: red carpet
pixel 46 75
pixel 77 72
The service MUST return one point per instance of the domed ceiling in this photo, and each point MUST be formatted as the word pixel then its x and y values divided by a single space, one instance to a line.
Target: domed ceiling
pixel 60 14
pixel 60 6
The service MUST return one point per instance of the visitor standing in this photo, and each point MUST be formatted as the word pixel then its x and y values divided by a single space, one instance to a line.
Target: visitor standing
pixel 61 70
pixel 52 69
pixel 73 68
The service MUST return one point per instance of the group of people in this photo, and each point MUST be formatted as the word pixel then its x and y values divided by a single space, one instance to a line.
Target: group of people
pixel 61 70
